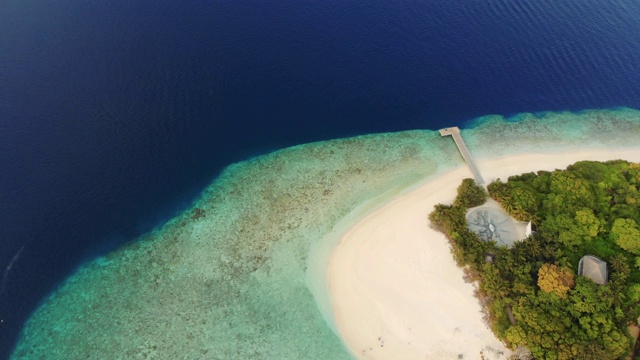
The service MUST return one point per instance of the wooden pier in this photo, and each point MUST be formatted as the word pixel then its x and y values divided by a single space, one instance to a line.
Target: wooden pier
pixel 455 133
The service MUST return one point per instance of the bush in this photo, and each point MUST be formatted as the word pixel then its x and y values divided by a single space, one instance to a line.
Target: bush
pixel 470 194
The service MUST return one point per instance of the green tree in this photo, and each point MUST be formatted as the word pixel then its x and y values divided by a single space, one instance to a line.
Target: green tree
pixel 590 298
pixel 493 284
pixel 594 351
pixel 447 218
pixel 619 266
pixel 534 247
pixel 516 336
pixel 525 203
pixel 634 293
pixel 626 234
pixel 588 224
pixel 573 230
pixel 470 194
pixel 518 199
pixel 570 191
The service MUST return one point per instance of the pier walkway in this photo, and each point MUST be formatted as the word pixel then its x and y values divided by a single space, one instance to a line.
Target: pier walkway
pixel 455 133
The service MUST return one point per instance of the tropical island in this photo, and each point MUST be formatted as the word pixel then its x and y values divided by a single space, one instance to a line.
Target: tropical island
pixel 319 251
pixel 571 288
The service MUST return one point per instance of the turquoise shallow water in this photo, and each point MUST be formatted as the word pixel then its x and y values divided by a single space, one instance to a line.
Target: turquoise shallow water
pixel 231 278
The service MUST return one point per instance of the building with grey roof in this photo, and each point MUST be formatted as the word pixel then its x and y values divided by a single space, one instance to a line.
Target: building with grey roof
pixel 594 268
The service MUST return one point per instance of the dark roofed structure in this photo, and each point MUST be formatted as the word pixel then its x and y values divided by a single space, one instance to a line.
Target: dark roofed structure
pixel 594 268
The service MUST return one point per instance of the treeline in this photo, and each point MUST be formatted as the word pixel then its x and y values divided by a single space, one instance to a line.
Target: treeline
pixel 590 208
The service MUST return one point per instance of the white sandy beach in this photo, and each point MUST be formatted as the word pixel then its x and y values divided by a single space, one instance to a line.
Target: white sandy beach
pixel 395 290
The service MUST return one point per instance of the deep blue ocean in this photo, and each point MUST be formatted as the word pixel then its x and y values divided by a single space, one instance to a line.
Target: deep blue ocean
pixel 114 115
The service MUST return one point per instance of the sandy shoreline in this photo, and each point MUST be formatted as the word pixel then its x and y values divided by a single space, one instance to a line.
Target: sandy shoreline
pixel 395 290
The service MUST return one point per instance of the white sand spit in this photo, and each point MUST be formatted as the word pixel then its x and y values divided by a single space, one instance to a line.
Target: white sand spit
pixel 395 289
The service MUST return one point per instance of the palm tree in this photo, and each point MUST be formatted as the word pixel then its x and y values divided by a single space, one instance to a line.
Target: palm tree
pixel 619 264
pixel 535 247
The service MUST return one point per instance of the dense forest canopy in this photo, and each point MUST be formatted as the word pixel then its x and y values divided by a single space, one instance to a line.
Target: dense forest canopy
pixel 531 292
